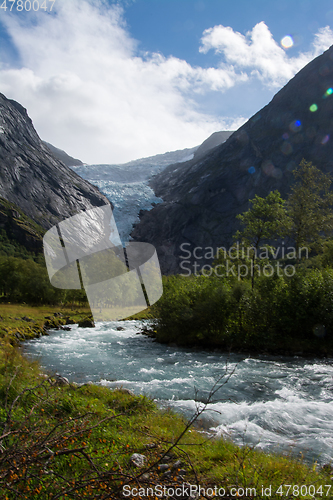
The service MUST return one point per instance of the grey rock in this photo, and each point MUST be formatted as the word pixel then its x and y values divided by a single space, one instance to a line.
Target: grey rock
pixel 124 390
pixel 61 381
pixel 149 446
pixel 163 467
pixel 44 188
pixel 177 464
pixel 138 460
pixel 86 323
pixel 28 320
pixel 62 155
pixel 145 477
pixel 213 141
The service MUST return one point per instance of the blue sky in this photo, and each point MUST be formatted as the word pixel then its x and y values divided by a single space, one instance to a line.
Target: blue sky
pixel 114 81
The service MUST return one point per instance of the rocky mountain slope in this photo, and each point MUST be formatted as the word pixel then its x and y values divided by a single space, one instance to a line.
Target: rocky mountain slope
pixel 213 141
pixel 44 188
pixel 126 185
pixel 62 155
pixel 202 197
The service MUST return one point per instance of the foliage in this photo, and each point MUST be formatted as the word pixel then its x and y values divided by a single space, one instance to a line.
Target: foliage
pixel 267 219
pixel 309 205
pixel 193 310
pixel 9 247
pixel 281 313
pixel 27 281
pixel 264 221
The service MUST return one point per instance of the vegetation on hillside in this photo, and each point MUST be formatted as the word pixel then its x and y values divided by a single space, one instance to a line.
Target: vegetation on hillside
pixel 267 294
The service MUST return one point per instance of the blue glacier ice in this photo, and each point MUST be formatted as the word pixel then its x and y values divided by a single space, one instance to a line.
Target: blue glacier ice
pixel 126 185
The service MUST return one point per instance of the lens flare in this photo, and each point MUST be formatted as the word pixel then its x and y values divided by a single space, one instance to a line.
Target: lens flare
pixel 313 108
pixel 325 139
pixel 251 170
pixel 286 148
pixel 287 42
pixel 329 91
pixel 295 126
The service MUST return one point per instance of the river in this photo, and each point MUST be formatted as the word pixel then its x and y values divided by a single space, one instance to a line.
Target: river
pixel 275 403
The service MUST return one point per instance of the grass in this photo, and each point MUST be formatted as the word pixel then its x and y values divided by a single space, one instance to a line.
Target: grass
pixel 21 321
pixel 75 442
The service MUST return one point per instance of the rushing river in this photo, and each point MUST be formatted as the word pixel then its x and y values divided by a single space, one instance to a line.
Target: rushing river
pixel 275 403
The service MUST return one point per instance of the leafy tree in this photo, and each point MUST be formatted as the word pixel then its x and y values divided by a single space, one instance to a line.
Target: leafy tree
pixel 310 206
pixel 267 219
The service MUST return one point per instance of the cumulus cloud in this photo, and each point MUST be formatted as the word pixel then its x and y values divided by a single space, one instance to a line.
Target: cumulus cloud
pixel 259 54
pixel 90 92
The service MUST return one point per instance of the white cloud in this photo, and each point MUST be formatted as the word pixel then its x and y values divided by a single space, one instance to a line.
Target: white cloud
pixel 90 93
pixel 259 54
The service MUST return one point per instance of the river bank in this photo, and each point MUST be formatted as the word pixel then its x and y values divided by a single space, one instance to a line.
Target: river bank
pixel 275 403
pixel 108 426
pixel 19 322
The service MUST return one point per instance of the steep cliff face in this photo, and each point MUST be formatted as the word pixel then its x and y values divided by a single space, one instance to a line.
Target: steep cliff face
pixel 44 188
pixel 202 197
pixel 63 156
pixel 211 142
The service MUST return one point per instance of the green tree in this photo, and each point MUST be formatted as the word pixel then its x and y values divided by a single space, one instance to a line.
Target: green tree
pixel 309 206
pixel 266 220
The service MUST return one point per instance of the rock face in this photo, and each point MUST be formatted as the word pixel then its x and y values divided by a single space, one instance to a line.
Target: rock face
pixel 63 156
pixel 44 188
pixel 202 197
pixel 213 141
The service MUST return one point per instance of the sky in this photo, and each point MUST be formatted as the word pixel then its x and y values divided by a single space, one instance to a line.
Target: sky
pixel 112 81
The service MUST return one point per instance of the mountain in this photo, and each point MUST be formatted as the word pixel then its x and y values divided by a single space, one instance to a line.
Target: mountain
pixel 213 140
pixel 136 170
pixel 62 155
pixel 202 197
pixel 126 185
pixel 41 187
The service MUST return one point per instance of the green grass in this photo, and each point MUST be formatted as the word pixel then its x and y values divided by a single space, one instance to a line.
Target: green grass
pixel 75 442
pixel 13 326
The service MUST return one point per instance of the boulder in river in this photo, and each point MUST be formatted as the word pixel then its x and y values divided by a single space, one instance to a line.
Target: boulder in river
pixel 87 323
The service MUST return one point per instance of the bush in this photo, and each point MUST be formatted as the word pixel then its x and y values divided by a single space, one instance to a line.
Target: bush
pixel 211 312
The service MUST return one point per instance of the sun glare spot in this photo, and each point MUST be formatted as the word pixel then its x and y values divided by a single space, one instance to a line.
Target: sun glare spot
pixel 287 42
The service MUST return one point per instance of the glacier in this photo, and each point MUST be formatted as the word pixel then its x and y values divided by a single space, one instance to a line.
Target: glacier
pixel 127 185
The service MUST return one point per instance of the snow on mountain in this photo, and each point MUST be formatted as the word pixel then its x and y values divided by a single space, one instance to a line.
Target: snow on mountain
pixel 126 185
